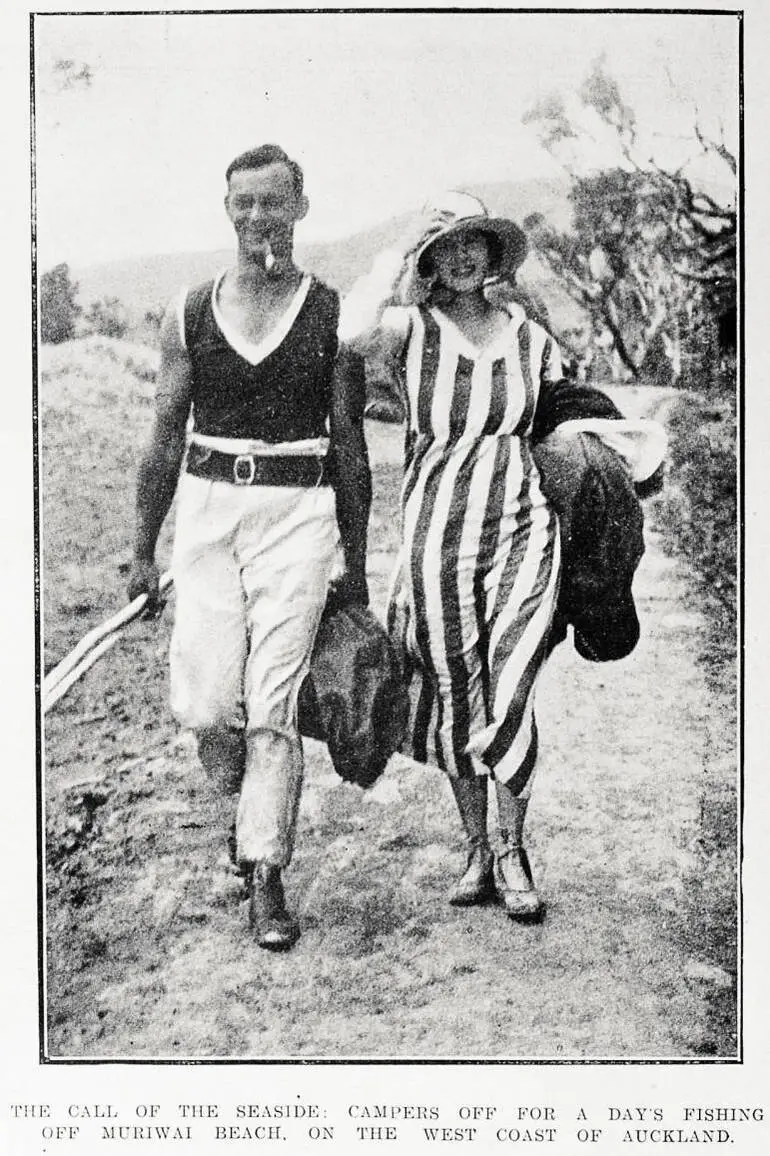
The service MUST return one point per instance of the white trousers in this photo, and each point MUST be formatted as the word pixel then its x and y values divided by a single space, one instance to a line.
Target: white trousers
pixel 251 567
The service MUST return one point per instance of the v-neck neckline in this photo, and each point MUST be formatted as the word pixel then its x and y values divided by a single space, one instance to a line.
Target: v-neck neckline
pixel 479 352
pixel 256 351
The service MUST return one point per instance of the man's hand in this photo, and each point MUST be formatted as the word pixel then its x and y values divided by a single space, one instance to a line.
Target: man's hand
pixel 349 589
pixel 144 578
pixel 349 460
pixel 160 464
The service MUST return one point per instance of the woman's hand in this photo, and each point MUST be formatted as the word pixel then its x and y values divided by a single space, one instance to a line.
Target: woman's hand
pixel 414 235
pixel 414 288
pixel 411 288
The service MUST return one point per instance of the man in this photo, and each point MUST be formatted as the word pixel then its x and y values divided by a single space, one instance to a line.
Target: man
pixel 276 418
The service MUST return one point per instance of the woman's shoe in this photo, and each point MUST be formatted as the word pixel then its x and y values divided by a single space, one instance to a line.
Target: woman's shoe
pixel 515 886
pixel 476 884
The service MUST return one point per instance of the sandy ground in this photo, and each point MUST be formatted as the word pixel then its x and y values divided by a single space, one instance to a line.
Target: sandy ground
pixel 147 948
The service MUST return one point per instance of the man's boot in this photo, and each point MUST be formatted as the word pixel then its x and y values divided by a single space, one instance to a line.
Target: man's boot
pixel 275 928
pixel 513 875
pixel 476 884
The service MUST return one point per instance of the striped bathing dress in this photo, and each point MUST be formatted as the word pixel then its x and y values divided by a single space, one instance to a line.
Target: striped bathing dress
pixel 476 586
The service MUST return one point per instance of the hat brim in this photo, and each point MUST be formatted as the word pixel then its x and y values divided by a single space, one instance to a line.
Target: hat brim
pixel 511 239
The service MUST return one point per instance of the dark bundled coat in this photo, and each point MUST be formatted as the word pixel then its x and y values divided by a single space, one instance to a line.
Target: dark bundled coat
pixel 601 524
pixel 354 698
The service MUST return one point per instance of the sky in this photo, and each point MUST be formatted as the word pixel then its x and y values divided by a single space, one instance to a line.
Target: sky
pixel 381 109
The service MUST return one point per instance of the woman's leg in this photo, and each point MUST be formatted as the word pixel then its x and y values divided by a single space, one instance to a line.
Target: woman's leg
pixel 476 883
pixel 521 614
pixel 444 721
pixel 513 875
pixel 443 594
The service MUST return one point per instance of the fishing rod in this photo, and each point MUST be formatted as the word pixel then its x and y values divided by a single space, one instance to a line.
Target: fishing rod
pixel 92 646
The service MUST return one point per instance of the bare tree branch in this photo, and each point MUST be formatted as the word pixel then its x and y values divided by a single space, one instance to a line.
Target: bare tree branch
pixel 718 147
pixel 666 249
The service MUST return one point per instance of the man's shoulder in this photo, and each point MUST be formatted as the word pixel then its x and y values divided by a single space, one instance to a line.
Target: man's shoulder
pixel 321 290
pixel 191 309
pixel 323 302
pixel 199 292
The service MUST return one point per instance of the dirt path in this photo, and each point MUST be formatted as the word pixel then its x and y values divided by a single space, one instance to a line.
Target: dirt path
pixel 148 950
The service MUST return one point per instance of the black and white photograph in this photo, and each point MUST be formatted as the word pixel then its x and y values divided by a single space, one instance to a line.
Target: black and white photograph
pixel 388 414
pixel 384 648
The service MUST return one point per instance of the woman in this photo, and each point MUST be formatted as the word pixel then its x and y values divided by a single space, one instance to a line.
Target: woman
pixel 479 571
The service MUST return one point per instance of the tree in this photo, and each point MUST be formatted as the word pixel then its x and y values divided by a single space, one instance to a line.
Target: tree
pixel 650 258
pixel 153 318
pixel 106 317
pixel 59 310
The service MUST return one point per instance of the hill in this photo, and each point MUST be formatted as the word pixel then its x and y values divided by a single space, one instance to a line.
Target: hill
pixel 148 282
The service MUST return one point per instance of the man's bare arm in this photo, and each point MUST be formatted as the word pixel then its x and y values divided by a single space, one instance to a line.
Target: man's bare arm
pixel 351 472
pixel 159 468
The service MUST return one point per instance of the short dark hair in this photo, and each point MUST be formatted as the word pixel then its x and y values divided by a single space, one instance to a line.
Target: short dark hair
pixel 261 157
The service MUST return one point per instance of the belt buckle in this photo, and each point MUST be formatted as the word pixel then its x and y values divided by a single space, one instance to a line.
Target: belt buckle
pixel 239 477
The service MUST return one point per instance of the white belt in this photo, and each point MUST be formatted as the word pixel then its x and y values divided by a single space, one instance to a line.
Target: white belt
pixel 257 448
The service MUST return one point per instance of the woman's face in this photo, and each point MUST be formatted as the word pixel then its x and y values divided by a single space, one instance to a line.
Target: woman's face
pixel 462 262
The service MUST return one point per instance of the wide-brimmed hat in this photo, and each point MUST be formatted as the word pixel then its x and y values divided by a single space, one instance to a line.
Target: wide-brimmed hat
pixel 455 211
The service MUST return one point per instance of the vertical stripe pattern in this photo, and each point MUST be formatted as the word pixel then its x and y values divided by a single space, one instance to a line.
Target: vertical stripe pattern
pixel 480 564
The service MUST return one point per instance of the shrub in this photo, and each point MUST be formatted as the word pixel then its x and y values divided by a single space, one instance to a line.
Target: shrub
pixel 59 310
pixel 698 509
pixel 106 317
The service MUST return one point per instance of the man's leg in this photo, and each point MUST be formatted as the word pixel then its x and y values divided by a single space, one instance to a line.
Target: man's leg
pixel 285 575
pixel 269 799
pixel 265 826
pixel 222 752
pixel 208 645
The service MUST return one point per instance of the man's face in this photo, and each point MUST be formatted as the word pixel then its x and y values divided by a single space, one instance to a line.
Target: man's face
pixel 264 207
